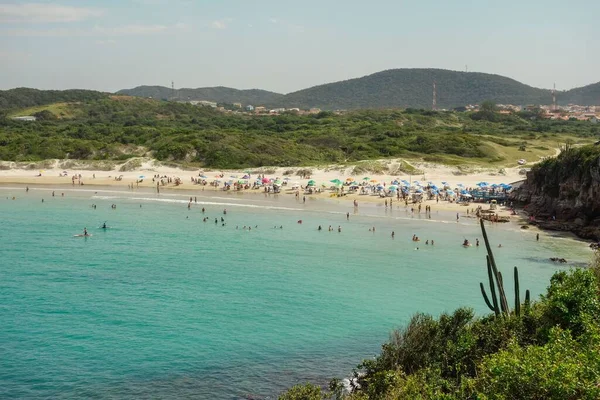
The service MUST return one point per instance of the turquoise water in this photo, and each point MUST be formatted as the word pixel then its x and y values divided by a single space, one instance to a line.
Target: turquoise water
pixel 165 305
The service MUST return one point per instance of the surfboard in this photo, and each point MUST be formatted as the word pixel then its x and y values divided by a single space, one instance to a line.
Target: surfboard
pixel 81 235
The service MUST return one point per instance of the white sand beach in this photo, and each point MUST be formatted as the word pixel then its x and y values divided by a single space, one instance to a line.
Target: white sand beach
pixel 142 177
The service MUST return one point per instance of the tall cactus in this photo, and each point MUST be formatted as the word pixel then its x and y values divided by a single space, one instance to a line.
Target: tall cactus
pixel 499 305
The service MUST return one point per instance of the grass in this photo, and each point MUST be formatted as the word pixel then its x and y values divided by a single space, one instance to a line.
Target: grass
pixel 60 110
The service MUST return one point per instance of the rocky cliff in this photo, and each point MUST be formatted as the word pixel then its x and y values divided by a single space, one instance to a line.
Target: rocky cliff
pixel 563 193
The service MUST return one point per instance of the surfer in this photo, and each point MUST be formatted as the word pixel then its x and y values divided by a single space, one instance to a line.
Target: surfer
pixel 85 232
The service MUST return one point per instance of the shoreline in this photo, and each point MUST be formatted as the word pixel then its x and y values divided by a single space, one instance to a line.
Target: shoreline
pixel 285 201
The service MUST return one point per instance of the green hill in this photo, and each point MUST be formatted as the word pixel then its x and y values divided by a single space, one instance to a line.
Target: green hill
pixel 25 97
pixel 403 88
pixel 217 94
pixel 395 88
pixel 587 95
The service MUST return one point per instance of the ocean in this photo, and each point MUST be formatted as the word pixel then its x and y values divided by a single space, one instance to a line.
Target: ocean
pixel 165 305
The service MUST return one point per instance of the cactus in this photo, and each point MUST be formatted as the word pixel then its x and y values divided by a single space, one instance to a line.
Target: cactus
pixel 517 297
pixel 499 305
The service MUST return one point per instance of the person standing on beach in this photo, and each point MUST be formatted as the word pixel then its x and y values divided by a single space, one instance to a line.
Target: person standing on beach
pixel 457 217
pixel 537 237
pixel 303 199
pixel 347 216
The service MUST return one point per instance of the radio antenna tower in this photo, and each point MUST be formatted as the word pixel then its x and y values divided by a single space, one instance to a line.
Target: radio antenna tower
pixel 554 108
pixel 172 90
pixel 434 104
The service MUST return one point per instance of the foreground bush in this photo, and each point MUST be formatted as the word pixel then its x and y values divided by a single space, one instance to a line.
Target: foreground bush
pixel 551 351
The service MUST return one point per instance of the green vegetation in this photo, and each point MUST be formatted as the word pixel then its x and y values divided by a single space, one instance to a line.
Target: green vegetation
pixel 217 94
pixel 550 349
pixel 120 127
pixel 24 97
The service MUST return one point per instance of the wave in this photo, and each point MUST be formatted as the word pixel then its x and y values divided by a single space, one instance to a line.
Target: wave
pixel 208 203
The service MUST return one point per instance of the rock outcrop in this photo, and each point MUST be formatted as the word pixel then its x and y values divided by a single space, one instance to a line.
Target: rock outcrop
pixel 563 193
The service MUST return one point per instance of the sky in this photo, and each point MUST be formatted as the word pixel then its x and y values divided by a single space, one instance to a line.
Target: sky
pixel 284 46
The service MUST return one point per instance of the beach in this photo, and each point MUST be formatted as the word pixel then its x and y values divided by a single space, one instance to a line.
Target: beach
pixel 142 178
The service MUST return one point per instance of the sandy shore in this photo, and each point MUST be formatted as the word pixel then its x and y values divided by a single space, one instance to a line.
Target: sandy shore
pixel 133 179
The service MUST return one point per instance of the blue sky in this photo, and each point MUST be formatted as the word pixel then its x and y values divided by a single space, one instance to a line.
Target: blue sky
pixel 285 46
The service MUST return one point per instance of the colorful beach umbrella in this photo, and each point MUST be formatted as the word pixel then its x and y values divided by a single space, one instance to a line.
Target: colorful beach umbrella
pixel 366 178
pixel 311 183
pixel 336 181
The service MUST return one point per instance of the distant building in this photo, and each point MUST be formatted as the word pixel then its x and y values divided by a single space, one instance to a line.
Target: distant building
pixel 277 111
pixel 314 110
pixel 28 118
pixel 260 109
pixel 237 105
pixel 249 108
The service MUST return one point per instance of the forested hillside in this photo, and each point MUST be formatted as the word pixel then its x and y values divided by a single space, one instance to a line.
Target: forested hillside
pixel 122 127
pixel 25 97
pixel 218 94
pixel 395 88
pixel 399 88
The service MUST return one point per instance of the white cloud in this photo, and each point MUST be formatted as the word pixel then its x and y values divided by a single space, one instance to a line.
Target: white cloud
pixel 221 23
pixel 125 30
pixel 131 30
pixel 40 13
pixel 105 42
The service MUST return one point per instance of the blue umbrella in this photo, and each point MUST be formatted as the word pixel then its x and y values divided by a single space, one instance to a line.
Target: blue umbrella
pixel 434 187
pixel 203 176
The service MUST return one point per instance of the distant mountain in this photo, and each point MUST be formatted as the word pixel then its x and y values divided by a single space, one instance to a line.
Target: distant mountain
pixel 395 88
pixel 26 97
pixel 414 88
pixel 218 94
pixel 586 96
